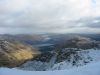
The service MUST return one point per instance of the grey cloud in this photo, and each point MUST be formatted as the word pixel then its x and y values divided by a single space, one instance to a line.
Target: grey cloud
pixel 90 22
pixel 44 16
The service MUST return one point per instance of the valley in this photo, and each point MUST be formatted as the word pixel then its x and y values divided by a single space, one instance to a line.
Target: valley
pixel 48 51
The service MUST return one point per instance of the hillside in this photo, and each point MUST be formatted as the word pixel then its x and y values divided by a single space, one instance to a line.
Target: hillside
pixel 14 53
pixel 75 52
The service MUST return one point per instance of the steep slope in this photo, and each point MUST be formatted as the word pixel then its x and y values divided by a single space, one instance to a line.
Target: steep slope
pixel 67 60
pixel 14 53
pixel 80 58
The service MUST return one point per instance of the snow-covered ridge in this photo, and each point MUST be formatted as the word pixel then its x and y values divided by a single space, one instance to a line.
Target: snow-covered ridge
pixel 91 69
pixel 87 57
pixel 83 57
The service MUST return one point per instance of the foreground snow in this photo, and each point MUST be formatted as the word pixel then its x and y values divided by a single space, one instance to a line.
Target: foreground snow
pixel 91 69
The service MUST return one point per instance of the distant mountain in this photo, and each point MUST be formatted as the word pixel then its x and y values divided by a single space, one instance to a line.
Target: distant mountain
pixel 79 42
pixel 30 39
pixel 34 39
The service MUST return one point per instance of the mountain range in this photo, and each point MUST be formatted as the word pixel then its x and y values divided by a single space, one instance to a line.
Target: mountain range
pixel 48 51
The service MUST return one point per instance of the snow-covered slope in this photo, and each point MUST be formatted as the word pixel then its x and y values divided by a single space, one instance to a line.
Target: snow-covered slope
pixel 91 69
pixel 80 58
pixel 86 57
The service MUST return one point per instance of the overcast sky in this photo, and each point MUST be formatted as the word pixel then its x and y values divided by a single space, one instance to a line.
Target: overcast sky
pixel 49 16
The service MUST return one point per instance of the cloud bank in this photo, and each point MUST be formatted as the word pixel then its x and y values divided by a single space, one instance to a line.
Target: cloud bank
pixel 49 16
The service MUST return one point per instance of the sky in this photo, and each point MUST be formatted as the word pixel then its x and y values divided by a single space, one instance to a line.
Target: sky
pixel 49 16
